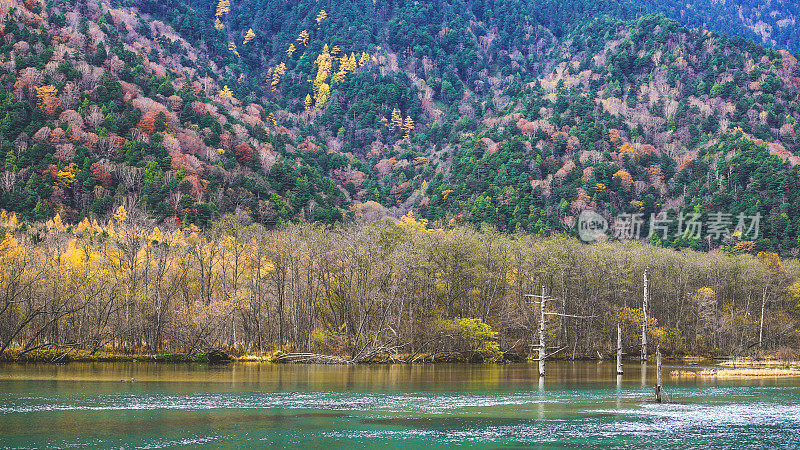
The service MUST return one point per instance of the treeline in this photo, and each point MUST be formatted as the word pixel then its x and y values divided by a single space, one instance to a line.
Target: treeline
pixel 368 289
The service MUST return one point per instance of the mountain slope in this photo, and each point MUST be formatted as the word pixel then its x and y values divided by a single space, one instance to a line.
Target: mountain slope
pixel 517 114
pixel 125 110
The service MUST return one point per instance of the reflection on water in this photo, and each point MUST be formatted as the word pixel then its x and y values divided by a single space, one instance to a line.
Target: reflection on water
pixel 431 405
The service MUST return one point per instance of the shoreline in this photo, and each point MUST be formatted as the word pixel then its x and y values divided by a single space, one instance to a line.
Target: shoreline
pixel 746 367
pixel 741 373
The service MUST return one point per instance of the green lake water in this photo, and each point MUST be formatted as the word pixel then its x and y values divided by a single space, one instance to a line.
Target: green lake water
pixel 254 405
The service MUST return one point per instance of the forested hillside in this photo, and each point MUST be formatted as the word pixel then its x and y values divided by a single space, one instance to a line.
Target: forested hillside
pixel 771 22
pixel 517 114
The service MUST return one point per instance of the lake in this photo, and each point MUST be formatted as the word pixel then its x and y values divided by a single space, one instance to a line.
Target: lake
pixel 442 405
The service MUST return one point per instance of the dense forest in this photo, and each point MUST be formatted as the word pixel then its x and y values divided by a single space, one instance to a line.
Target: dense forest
pixel 369 179
pixel 376 291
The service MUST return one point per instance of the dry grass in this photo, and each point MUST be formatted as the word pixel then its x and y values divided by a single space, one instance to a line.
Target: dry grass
pixel 744 372
pixel 749 362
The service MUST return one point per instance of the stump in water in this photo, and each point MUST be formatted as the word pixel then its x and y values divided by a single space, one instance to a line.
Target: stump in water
pixel 658 375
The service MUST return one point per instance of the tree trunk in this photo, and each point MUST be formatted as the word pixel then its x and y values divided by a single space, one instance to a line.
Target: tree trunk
pixel 542 348
pixel 619 350
pixel 761 326
pixel 644 319
pixel 658 375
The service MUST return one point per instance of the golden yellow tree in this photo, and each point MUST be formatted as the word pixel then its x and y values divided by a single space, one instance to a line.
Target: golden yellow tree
pixel 303 38
pixel 45 92
pixel 625 179
pixel 223 7
pixel 323 95
pixel 232 48
pixel 408 127
pixel 226 92
pixel 249 36
pixel 321 16
pixel 290 50
pixel 397 119
pixel 277 73
pixel 364 59
pixel 121 216
pixel 218 24
pixel 308 102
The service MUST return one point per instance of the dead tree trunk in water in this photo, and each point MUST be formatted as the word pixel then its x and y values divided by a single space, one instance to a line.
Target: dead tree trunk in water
pixel 543 324
pixel 542 348
pixel 761 326
pixel 658 375
pixel 644 319
pixel 619 349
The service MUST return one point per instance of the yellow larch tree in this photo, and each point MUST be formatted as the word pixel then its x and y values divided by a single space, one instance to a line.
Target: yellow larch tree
pixel 66 176
pixel 223 7
pixel 249 36
pixel 303 38
pixel 121 216
pixel 308 102
pixel 226 92
pixel 290 50
pixel 363 60
pixel 232 49
pixel 277 73
pixel 55 224
pixel 323 95
pixel 323 62
pixel 408 127
pixel 397 119
pixel 44 93
pixel 338 77
pixel 218 24
pixel 321 16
